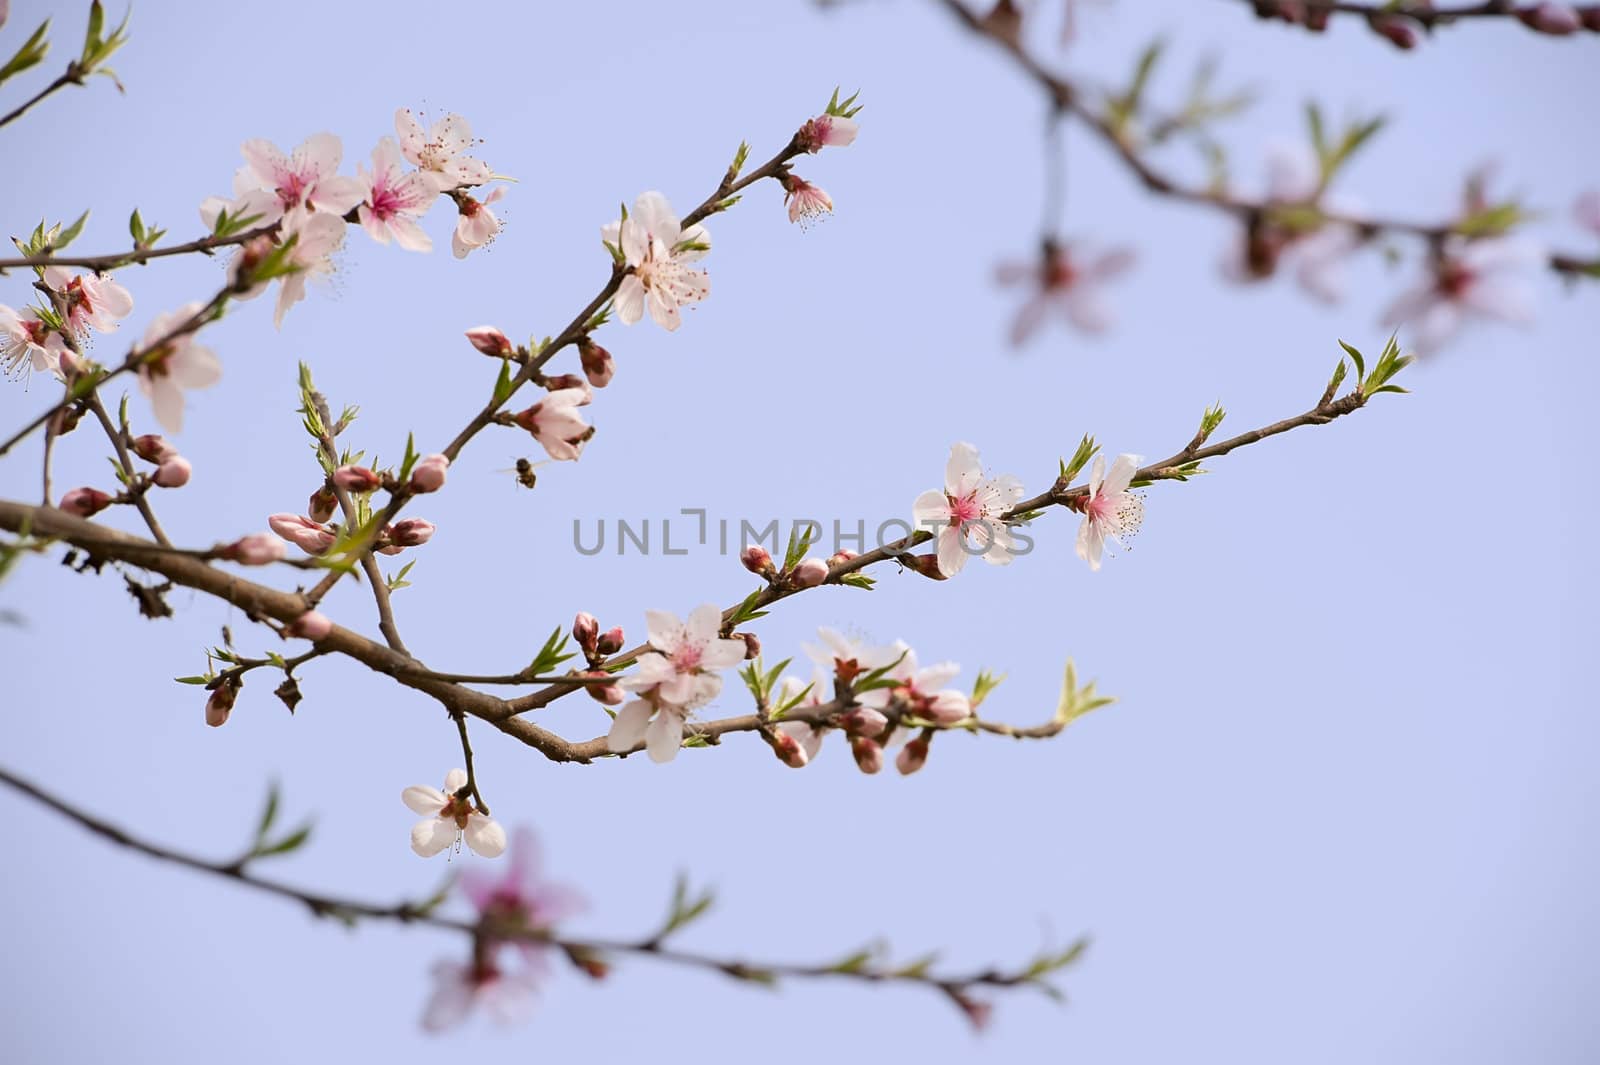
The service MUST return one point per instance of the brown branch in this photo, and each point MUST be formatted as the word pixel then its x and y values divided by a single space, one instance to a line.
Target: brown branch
pixel 102 263
pixel 1425 14
pixel 71 77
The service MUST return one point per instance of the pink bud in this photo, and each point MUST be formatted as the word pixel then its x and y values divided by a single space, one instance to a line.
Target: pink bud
pixel 311 625
pixel 428 474
pixel 322 504
pixel 928 566
pixel 868 754
pixel 598 366
pixel 1554 19
pixel 864 721
pixel 567 380
pixel 912 757
pixel 610 641
pixel 756 559
pixel 307 535
pixel 608 694
pixel 358 479
pixel 977 1011
pixel 490 341
pixel 411 532
pixel 586 631
pixel 788 750
pixel 85 502
pixel 810 573
pixel 220 705
pixel 752 644
pixel 1399 32
pixel 257 549
pixel 839 558
pixel 153 447
pixel 825 130
pixel 173 473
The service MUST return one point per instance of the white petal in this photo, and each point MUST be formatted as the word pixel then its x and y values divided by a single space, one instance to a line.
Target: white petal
pixel 931 510
pixel 963 471
pixel 664 736
pixel 627 731
pixel 952 552
pixel 423 800
pixel 485 836
pixel 704 625
pixel 663 630
pixel 432 835
pixel 630 300
pixel 454 781
pixel 1121 475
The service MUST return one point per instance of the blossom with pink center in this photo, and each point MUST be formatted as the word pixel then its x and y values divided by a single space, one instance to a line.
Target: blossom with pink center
pixel 805 737
pixel 807 202
pixel 27 344
pixel 966 517
pixel 91 299
pixel 519 900
pixel 169 365
pixel 393 199
pixel 555 422
pixel 508 997
pixel 309 536
pixel 921 692
pixel 1319 253
pixel 677 676
pixel 1067 281
pixel 1110 511
pixel 657 249
pixel 437 150
pixel 476 224
pixel 449 817
pixel 316 237
pixel 1467 280
pixel 827 131
pixel 305 180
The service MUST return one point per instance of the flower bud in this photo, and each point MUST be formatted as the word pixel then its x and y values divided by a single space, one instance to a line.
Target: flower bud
pixel 927 565
pixel 864 721
pixel 913 756
pixel 85 502
pixel 1399 32
pixel 756 559
pixel 586 632
pixel 610 641
pixel 598 365
pixel 311 625
pixel 309 536
pixel 752 644
pixel 567 380
pixel 322 504
pixel 428 474
pixel 606 694
pixel 868 754
pixel 788 749
pixel 411 532
pixel 810 573
pixel 490 341
pixel 220 705
pixel 358 479
pixel 978 1012
pixel 839 558
pixel 257 549
pixel 1555 19
pixel 1591 18
pixel 173 473
pixel 152 447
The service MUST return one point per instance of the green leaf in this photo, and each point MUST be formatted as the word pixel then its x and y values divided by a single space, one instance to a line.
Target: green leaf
pixel 1355 357
pixel 31 54
pixel 504 385
pixel 550 655
pixel 192 680
pixel 269 814
pixel 287 845
pixel 70 234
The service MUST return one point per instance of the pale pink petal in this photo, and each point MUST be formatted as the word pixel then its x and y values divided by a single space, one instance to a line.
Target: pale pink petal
pixel 421 799
pixel 627 731
pixel 432 835
pixel 664 736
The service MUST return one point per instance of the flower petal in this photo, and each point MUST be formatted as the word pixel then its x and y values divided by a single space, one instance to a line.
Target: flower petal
pixel 664 736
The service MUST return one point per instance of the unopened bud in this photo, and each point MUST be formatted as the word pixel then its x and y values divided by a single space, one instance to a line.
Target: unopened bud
pixel 756 559
pixel 428 474
pixel 490 341
pixel 311 625
pixel 610 641
pixel 912 757
pixel 752 644
pixel 927 565
pixel 978 1012
pixel 598 365
pixel 607 694
pixel 358 479
pixel 788 749
pixel 173 473
pixel 321 505
pixel 1555 19
pixel 586 631
pixel 411 532
pixel 309 536
pixel 864 721
pixel 810 573
pixel 868 754
pixel 257 549
pixel 220 705
pixel 566 380
pixel 1399 32
pixel 152 447
pixel 839 558
pixel 85 502
pixel 1591 18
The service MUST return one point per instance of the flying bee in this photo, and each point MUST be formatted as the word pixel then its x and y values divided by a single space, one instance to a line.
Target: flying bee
pixel 524 472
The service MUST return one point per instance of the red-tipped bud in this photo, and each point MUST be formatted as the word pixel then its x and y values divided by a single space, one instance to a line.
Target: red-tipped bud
pixel 428 474
pixel 752 645
pixel 586 631
pixel 868 754
pixel 598 365
pixel 1555 19
pixel 927 565
pixel 1399 32
pixel 567 380
pixel 1591 18
pixel 85 502
pixel 610 641
pixel 173 473
pixel 913 756
pixel 309 536
pixel 411 532
pixel 809 574
pixel 220 705
pixel 152 447
pixel 788 749
pixel 490 341
pixel 356 479
pixel 756 559
pixel 864 721
pixel 311 626
pixel 321 505
pixel 839 558
pixel 257 549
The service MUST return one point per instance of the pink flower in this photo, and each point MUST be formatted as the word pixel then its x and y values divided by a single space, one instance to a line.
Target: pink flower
pixel 477 225
pixel 677 676
pixel 1067 281
pixel 91 299
pixel 27 344
pixel 967 516
pixel 311 625
pixel 798 742
pixel 490 341
pixel 171 364
pixel 1468 279
pixel 411 532
pixel 845 659
pixel 1110 511
pixel 921 691
pixel 657 249
pixel 806 201
pixel 316 238
pixel 257 549
pixel 459 987
pixel 173 473
pixel 220 704
pixel 555 422
pixel 519 900
pixel 438 150
pixel 306 180
pixel 1294 179
pixel 394 199
pixel 85 502
pixel 448 817
pixel 598 366
pixel 827 131
pixel 428 474
pixel 309 536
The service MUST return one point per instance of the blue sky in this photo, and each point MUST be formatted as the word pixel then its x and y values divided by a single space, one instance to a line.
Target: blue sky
pixel 1344 808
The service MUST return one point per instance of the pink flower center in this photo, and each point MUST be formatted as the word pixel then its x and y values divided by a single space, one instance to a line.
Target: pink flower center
pixel 1059 273
pixel 686 659
pixel 1454 277
pixel 964 510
